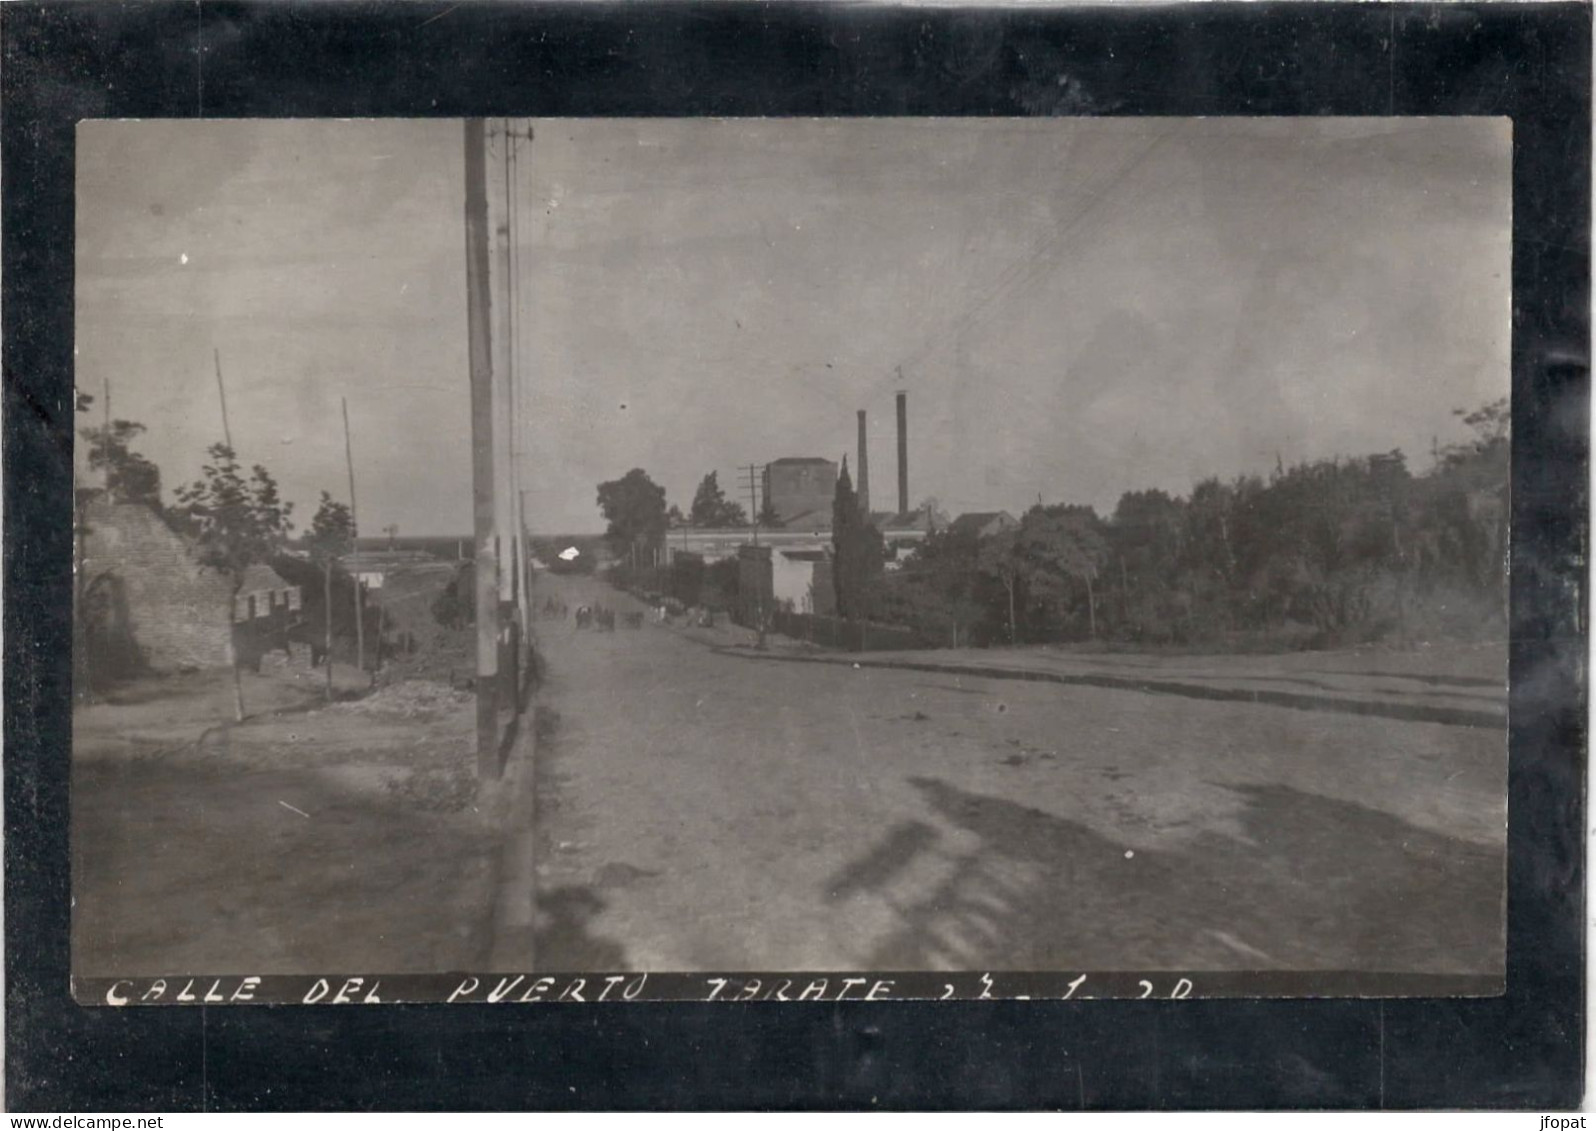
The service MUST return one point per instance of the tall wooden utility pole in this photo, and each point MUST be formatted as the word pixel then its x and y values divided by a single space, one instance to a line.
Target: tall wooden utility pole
pixel 526 565
pixel 326 608
pixel 753 498
pixel 479 330
pixel 232 609
pixel 105 441
pixel 903 449
pixel 523 575
pixel 753 510
pixel 502 326
pixel 354 548
pixel 227 431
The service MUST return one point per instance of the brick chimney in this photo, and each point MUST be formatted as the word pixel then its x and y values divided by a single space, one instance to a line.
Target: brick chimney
pixel 903 452
pixel 863 489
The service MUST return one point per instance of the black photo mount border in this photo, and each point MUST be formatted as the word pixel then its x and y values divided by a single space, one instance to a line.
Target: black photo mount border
pixel 1527 61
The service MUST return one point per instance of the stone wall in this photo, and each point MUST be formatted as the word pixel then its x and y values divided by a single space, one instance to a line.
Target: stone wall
pixel 158 608
pixel 176 611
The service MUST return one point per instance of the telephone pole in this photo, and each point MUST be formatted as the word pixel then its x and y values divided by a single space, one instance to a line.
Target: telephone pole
pixel 480 352
pixel 221 391
pixel 507 510
pixel 354 548
pixel 106 441
pixel 754 471
pixel 522 552
pixel 501 328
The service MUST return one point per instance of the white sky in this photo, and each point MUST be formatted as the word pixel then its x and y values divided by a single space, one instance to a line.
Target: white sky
pixel 1080 307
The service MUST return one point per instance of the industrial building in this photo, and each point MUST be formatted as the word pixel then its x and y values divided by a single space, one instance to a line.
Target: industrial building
pixel 800 489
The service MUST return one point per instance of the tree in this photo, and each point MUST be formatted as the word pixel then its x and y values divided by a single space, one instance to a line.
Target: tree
pixel 129 477
pixel 844 521
pixel 767 515
pixel 858 554
pixel 674 518
pixel 1491 424
pixel 634 506
pixel 687 579
pixel 331 537
pixel 936 517
pixel 332 531
pixel 237 523
pixel 455 606
pixel 1060 544
pixel 1146 536
pixel 711 508
pixel 999 558
pixel 938 588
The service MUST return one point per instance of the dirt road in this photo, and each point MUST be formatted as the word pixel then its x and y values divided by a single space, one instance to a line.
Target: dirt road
pixel 706 810
pixel 310 839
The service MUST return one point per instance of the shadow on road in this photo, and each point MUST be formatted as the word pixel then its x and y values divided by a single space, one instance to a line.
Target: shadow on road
pixel 1427 677
pixel 563 939
pixel 1310 883
pixel 877 868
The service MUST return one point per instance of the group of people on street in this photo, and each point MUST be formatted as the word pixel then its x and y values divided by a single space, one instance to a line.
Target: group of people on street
pixel 602 619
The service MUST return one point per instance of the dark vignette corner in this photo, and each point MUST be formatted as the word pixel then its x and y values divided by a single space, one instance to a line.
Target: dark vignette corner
pixel 1530 62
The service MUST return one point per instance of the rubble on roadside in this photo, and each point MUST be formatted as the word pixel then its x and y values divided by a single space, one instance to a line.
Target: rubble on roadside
pixel 446 790
pixel 410 698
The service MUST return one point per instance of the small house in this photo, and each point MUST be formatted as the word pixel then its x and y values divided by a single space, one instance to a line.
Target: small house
pixel 983 524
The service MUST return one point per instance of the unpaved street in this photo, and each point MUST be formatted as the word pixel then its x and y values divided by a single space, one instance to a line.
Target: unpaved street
pixel 709 810
pixel 310 839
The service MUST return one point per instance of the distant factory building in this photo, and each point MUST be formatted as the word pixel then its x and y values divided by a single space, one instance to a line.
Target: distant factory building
pixel 801 489
pixel 984 524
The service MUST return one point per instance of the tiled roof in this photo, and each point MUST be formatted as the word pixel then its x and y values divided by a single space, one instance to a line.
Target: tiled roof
pixel 974 521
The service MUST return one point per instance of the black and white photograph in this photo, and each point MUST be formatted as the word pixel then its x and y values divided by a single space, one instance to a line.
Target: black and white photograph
pixel 790 558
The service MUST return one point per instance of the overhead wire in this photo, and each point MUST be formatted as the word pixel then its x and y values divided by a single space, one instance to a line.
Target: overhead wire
pixel 1024 270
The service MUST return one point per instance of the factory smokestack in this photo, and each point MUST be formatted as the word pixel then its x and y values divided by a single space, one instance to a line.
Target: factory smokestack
pixel 864 470
pixel 903 452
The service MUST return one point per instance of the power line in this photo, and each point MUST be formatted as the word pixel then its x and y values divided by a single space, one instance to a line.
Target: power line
pixel 1025 269
pixel 354 522
pixel 753 471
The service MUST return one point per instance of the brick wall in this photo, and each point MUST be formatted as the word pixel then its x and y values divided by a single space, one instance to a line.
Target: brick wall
pixel 177 609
